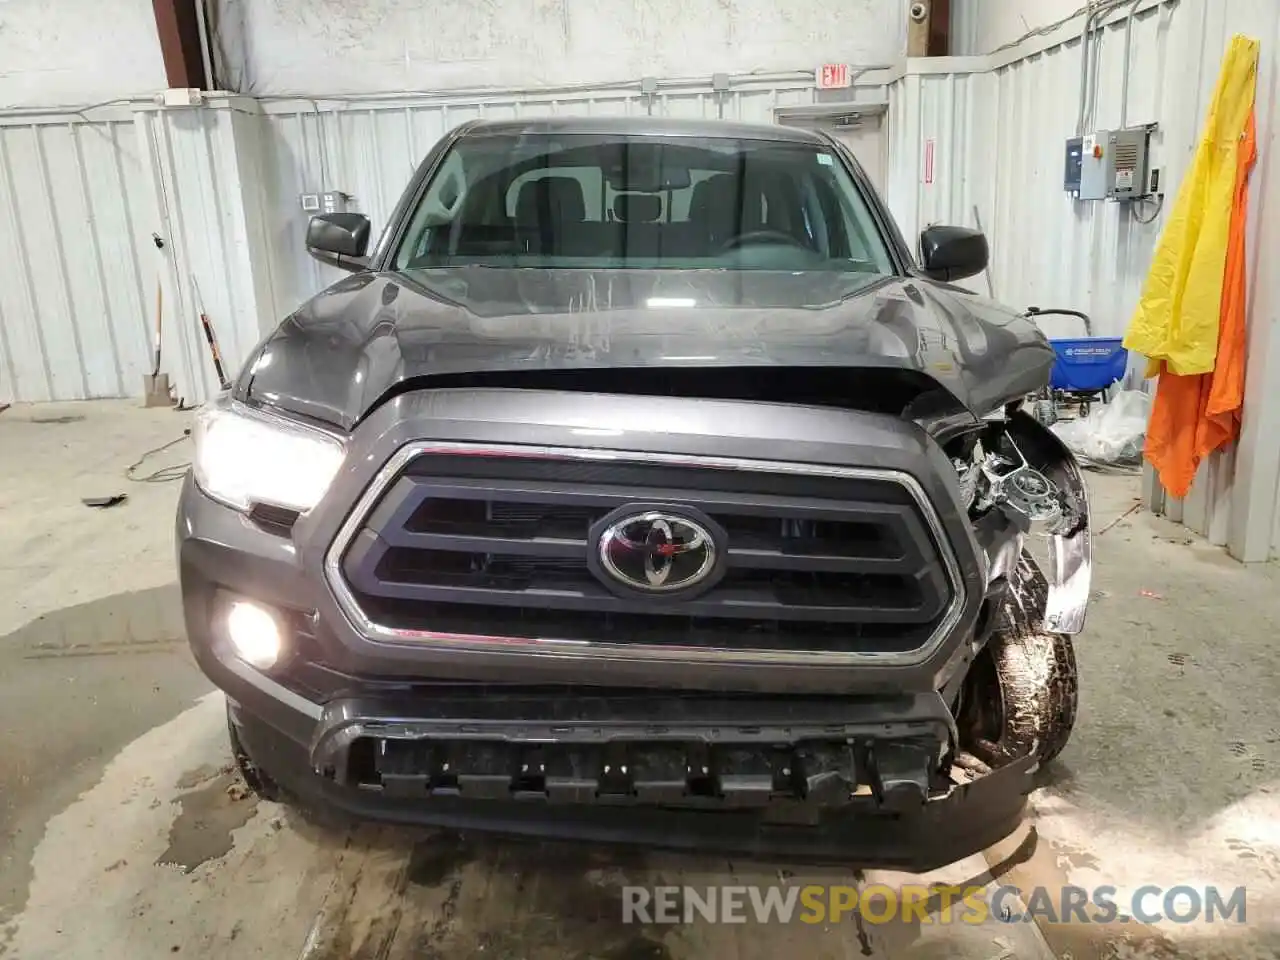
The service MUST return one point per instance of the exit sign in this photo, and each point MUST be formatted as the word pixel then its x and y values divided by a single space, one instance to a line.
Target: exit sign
pixel 833 76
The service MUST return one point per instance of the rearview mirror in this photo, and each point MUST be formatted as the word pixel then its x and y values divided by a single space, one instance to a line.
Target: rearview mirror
pixel 953 253
pixel 339 239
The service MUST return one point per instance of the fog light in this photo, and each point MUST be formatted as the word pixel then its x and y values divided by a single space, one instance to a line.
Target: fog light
pixel 255 633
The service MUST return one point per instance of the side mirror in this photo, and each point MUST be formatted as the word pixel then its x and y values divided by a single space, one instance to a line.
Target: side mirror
pixel 953 253
pixel 339 239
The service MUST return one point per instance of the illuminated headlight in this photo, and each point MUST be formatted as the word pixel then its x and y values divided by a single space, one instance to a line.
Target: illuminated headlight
pixel 243 457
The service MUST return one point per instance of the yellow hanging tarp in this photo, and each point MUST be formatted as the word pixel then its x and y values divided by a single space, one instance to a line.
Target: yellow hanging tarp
pixel 1177 318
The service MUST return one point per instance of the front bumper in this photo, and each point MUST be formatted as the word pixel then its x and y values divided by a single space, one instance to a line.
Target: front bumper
pixel 852 781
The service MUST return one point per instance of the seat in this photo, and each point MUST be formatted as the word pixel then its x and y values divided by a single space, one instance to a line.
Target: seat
pixel 546 209
pixel 716 207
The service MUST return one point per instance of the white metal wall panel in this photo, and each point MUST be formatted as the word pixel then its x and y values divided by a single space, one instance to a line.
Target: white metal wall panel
pixel 195 162
pixel 80 198
pixel 1176 57
pixel 1048 249
pixel 966 39
pixel 1253 526
pixel 938 172
pixel 77 283
pixel 998 132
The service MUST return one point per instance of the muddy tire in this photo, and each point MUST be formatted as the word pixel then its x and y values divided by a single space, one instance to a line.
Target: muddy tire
pixel 255 778
pixel 1024 686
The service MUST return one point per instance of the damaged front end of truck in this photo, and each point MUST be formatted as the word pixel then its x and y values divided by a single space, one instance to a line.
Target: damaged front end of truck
pixel 678 530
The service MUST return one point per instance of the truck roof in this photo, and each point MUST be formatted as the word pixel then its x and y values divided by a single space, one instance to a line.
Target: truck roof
pixel 642 127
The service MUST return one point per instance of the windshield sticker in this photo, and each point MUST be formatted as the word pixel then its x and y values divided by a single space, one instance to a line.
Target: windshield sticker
pixel 826 159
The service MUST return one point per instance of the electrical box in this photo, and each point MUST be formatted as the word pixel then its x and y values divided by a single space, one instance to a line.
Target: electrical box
pixel 1109 165
pixel 1127 163
pixel 310 202
pixel 182 97
pixel 1094 157
pixel 1071 177
pixel 335 201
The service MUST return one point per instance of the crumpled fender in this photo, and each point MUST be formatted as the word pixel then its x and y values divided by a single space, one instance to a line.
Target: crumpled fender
pixel 1070 572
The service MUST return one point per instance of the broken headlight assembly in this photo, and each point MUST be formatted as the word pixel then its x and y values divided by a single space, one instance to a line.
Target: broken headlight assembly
pixel 995 473
pixel 1027 499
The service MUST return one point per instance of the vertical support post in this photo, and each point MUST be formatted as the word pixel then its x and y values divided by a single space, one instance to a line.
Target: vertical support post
pixel 918 28
pixel 178 26
pixel 940 29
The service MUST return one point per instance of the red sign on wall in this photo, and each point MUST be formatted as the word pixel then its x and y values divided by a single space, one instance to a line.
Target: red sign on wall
pixel 834 76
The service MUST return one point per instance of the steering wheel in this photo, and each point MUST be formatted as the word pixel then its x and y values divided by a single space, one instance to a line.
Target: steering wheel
pixel 760 236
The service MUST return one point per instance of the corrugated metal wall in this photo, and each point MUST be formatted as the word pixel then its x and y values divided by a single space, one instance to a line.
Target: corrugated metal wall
pixel 195 166
pixel 999 133
pixel 938 173
pixel 80 199
pixel 1049 250
pixel 77 288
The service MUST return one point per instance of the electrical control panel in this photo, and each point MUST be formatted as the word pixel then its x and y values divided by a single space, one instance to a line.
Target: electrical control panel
pixel 1109 165
pixel 1093 166
pixel 331 201
pixel 335 201
pixel 1127 163
pixel 1071 176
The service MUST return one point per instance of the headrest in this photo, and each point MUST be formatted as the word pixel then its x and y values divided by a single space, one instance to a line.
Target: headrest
pixel 637 207
pixel 717 191
pixel 551 198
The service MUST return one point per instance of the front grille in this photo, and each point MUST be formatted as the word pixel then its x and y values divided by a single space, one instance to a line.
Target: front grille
pixel 465 545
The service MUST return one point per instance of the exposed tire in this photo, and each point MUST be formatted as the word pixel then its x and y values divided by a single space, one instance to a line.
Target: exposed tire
pixel 255 778
pixel 1023 690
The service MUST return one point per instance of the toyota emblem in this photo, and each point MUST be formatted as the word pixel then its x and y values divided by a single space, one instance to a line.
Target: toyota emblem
pixel 657 552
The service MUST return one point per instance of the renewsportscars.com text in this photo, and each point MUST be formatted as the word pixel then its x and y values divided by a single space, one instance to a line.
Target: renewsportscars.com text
pixel 878 904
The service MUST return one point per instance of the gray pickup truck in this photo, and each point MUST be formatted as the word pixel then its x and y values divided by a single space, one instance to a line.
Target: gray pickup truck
pixel 642 486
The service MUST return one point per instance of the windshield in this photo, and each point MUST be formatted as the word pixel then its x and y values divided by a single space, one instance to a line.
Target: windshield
pixel 595 202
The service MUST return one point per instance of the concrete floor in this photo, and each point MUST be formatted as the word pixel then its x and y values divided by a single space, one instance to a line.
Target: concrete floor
pixel 124 834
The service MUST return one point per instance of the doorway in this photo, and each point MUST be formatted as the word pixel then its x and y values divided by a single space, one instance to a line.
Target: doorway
pixel 864 136
pixel 861 129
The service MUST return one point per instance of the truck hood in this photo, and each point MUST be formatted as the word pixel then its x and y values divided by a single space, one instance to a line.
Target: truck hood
pixel 351 345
